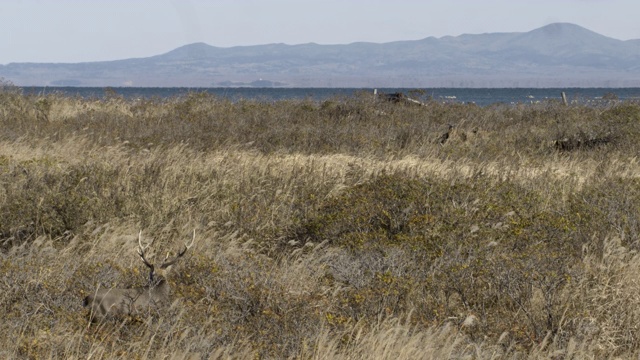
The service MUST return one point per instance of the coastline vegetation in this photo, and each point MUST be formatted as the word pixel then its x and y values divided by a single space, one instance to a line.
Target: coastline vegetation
pixel 347 229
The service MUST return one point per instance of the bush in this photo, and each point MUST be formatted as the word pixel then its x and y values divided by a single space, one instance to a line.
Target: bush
pixel 338 229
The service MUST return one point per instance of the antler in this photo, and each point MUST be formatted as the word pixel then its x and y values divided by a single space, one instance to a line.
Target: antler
pixel 166 263
pixel 141 250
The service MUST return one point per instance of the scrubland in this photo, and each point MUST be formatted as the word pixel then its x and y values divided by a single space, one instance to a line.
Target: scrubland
pixel 346 229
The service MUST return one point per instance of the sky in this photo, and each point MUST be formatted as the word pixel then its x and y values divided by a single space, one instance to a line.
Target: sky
pixel 98 30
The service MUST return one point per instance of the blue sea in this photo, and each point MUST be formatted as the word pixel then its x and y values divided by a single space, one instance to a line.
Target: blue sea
pixel 481 97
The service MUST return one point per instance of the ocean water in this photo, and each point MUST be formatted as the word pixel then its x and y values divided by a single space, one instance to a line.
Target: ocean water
pixel 481 97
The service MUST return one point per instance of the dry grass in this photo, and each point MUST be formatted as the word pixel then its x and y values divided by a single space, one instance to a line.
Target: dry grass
pixel 337 230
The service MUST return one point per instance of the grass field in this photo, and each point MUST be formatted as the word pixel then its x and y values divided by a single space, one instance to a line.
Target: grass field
pixel 347 229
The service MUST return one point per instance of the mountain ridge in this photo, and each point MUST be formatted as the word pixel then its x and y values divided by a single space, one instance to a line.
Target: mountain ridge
pixel 558 54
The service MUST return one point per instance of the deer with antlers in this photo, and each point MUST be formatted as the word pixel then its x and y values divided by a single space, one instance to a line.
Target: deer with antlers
pixel 135 300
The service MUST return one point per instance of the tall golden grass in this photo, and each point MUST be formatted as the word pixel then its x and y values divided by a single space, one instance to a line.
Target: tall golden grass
pixel 344 229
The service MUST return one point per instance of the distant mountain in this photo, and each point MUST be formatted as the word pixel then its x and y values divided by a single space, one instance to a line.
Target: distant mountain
pixel 556 55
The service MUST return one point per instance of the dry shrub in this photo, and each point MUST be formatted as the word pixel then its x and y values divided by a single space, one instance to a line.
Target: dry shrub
pixel 334 230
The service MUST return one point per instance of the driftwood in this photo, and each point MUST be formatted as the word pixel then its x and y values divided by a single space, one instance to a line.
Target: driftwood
pixel 397 98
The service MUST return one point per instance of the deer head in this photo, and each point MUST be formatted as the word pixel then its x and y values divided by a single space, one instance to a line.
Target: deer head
pixel 118 301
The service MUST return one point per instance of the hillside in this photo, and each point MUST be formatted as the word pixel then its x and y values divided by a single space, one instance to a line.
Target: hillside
pixel 559 54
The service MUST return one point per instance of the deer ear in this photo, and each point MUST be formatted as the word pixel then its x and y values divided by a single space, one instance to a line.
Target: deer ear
pixel 162 272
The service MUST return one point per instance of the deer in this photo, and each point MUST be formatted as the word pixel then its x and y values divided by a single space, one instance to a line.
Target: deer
pixel 132 301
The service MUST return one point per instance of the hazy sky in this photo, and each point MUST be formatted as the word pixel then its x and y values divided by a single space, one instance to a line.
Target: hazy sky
pixel 93 30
